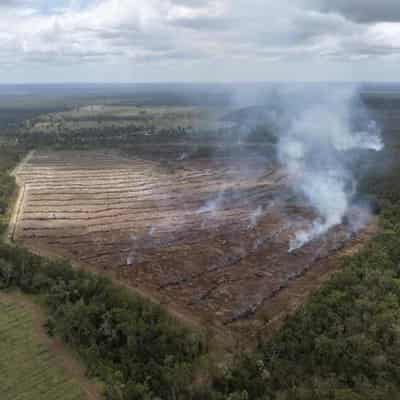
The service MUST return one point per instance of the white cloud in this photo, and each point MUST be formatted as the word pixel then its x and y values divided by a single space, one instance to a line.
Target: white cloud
pixel 212 32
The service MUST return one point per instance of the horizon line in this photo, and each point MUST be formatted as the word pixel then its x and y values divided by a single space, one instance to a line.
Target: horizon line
pixel 222 83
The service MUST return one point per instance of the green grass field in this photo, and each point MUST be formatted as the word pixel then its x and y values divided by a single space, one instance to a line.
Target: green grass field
pixel 28 369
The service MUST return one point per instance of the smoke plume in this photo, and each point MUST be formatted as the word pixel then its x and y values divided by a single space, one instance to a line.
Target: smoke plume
pixel 322 132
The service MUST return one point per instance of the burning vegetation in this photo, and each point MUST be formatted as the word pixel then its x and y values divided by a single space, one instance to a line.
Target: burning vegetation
pixel 215 235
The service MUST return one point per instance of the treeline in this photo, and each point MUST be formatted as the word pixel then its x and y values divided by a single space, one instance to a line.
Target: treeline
pixel 12 118
pixel 85 138
pixel 100 136
pixel 9 157
pixel 130 344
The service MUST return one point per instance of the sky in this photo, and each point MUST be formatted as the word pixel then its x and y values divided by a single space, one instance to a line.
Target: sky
pixel 199 40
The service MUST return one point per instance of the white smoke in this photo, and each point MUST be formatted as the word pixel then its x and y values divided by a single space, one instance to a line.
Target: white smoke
pixel 183 156
pixel 212 206
pixel 255 216
pixel 316 146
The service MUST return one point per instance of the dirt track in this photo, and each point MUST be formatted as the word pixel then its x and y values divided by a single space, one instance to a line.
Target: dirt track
pixel 208 237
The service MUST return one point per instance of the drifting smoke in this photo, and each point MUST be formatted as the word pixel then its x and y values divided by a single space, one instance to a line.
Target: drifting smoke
pixel 212 206
pixel 316 146
pixel 184 156
pixel 255 216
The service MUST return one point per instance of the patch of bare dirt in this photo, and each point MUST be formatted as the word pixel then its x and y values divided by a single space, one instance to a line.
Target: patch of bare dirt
pixel 207 238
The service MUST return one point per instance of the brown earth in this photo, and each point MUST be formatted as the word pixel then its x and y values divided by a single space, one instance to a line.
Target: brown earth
pixel 207 238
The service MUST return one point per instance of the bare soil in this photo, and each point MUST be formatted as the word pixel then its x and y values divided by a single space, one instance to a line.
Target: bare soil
pixel 207 238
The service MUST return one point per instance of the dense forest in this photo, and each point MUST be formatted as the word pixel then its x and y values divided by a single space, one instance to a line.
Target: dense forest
pixel 132 345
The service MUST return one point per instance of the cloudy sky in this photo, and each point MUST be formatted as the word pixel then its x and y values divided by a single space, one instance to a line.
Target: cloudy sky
pixel 199 40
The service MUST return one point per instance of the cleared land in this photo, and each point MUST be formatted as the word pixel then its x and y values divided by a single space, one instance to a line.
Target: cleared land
pixel 208 237
pixel 31 365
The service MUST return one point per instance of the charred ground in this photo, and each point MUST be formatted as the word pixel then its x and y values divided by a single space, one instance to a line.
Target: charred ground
pixel 207 236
